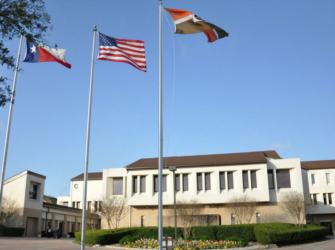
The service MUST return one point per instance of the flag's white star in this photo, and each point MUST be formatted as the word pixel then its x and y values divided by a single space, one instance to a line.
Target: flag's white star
pixel 33 49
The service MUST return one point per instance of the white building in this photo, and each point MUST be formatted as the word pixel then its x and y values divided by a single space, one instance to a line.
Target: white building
pixel 319 177
pixel 36 212
pixel 213 181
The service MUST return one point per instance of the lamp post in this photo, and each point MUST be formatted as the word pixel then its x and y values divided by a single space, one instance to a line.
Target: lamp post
pixel 173 170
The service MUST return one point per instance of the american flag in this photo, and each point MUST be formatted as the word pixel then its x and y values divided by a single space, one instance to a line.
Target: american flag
pixel 122 50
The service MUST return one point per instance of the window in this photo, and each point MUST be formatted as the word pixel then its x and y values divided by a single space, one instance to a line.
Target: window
pixel 142 184
pixel 283 178
pixel 73 204
pixel 142 220
pixel 199 181
pixel 207 181
pixel 258 218
pixel 95 206
pixel 222 177
pixel 314 199
pixel 177 182
pixel 313 179
pixel 233 219
pixel 156 183
pixel 253 178
pixel 89 206
pixel 185 182
pixel 230 180
pixel 78 204
pixel 118 186
pixel 330 200
pixel 134 184
pixel 33 190
pixel 327 178
pixel 325 199
pixel 271 179
pixel 245 179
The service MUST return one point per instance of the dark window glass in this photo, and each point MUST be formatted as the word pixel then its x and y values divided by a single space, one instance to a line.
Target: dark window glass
pixel 177 182
pixel 89 206
pixel 222 177
pixel 33 191
pixel 199 181
pixel 245 179
pixel 135 184
pixel 185 182
pixel 156 183
pixel 315 201
pixel 230 178
pixel 207 181
pixel 271 179
pixel 95 206
pixel 73 204
pixel 142 184
pixel 330 200
pixel 283 178
pixel 325 199
pixel 118 186
pixel 253 176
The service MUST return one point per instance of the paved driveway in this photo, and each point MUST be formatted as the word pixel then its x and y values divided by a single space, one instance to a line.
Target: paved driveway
pixel 39 244
pixel 65 244
pixel 320 245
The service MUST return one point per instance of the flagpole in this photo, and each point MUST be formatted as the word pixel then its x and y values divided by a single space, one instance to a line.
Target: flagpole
pixel 9 121
pixel 87 146
pixel 160 132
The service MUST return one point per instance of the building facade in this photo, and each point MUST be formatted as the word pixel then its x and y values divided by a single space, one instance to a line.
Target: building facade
pixel 35 212
pixel 319 177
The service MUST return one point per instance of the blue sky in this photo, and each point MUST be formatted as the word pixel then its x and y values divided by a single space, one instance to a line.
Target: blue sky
pixel 269 85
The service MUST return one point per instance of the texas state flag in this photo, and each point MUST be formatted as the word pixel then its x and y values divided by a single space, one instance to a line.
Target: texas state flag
pixel 42 53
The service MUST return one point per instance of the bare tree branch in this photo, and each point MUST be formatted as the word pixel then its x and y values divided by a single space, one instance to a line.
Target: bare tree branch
pixel 114 209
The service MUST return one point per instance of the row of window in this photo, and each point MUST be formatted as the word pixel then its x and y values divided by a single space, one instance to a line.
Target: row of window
pixel 95 208
pixel 327 178
pixel 327 198
pixel 226 180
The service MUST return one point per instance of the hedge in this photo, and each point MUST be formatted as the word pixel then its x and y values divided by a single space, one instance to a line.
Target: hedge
pixel 245 231
pixel 11 231
pixel 104 237
pixel 285 234
pixel 267 233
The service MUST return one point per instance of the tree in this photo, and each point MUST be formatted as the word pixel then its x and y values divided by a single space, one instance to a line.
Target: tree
pixel 243 208
pixel 114 209
pixel 26 17
pixel 295 204
pixel 187 212
pixel 10 213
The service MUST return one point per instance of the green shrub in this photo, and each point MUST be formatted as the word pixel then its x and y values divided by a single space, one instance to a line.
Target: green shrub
pixel 104 237
pixel 244 231
pixel 11 231
pixel 204 233
pixel 128 238
pixel 107 237
pixel 241 240
pixel 285 234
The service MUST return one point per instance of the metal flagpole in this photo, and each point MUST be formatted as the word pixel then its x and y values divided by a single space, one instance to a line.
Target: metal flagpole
pixel 160 132
pixel 87 146
pixel 9 121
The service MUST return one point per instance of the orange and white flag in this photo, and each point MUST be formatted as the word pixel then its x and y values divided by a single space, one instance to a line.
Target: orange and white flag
pixel 188 23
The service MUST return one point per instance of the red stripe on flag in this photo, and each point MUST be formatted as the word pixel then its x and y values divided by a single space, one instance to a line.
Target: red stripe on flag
pixel 45 56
